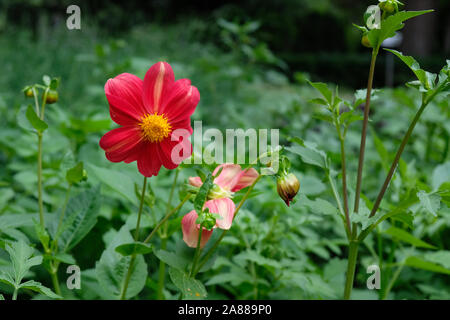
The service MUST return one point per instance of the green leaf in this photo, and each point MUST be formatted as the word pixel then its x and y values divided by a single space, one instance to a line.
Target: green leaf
pixel 309 153
pixel 441 175
pixel 390 25
pixel 75 174
pixel 2 298
pixel 441 257
pixel 116 180
pixel 35 121
pixel 423 76
pixel 112 268
pixel 319 101
pixel 129 249
pixel 172 259
pixel 20 254
pixel 38 287
pixel 323 89
pixel 46 79
pixel 190 288
pixel 81 216
pixel 431 202
pixel 405 236
pixel 202 194
pixel 417 262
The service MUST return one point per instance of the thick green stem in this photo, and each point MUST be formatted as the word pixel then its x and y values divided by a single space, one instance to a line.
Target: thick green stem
pixel 351 267
pixel 136 238
pixel 362 147
pixel 14 297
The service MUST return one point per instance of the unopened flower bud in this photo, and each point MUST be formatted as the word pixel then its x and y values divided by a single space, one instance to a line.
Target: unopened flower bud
pixel 365 41
pixel 388 6
pixel 52 96
pixel 287 187
pixel 28 92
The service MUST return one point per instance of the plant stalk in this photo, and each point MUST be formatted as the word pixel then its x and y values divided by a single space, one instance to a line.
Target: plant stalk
pixel 351 267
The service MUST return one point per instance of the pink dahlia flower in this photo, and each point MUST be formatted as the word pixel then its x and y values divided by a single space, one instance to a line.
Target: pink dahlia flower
pixel 230 180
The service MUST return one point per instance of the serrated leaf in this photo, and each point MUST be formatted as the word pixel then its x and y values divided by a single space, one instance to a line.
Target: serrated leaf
pixel 390 25
pixel 81 216
pixel 423 76
pixel 20 254
pixel 112 268
pixel 441 257
pixel 38 287
pixel 405 236
pixel 35 121
pixel 309 153
pixel 128 249
pixel 431 202
pixel 323 89
pixel 189 287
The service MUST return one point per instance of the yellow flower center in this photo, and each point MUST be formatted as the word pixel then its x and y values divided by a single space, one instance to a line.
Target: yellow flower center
pixel 155 127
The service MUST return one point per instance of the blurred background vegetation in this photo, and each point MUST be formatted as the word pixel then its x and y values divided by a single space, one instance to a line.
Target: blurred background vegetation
pixel 250 60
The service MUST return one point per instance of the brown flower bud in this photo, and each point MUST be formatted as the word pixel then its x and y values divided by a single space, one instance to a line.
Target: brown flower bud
pixel 287 187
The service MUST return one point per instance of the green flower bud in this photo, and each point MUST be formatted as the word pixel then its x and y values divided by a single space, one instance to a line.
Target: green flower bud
pixel 287 187
pixel 365 41
pixel 388 6
pixel 52 96
pixel 28 92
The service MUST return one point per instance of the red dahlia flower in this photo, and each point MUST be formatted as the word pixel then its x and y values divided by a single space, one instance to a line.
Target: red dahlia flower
pixel 154 115
pixel 230 180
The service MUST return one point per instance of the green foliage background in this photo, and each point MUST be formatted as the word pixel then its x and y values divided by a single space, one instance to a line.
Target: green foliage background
pixel 271 252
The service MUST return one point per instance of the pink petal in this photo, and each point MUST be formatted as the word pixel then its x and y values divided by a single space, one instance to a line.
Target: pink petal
pixel 225 208
pixel 229 176
pixel 148 161
pixel 191 229
pixel 158 82
pixel 121 143
pixel 195 181
pixel 182 101
pixel 124 94
pixel 246 179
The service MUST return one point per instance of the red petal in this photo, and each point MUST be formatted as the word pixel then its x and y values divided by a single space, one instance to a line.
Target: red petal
pixel 124 94
pixel 120 143
pixel 157 84
pixel 229 175
pixel 182 101
pixel 191 229
pixel 176 151
pixel 148 161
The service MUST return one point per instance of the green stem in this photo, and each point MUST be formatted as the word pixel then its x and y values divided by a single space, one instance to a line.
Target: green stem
pixel 344 179
pixel 224 232
pixel 141 205
pixel 351 267
pixel 397 158
pixel 136 238
pixel 392 282
pixel 362 147
pixel 197 251
pixel 54 275
pixel 150 236
pixel 162 265
pixel 14 297
pixel 39 176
